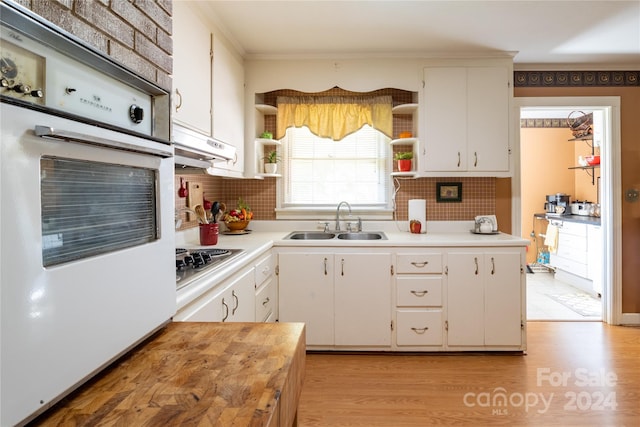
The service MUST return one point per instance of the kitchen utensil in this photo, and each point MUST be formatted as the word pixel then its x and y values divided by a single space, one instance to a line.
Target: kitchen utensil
pixel 182 192
pixel 223 209
pixel 206 204
pixel 202 216
pixel 215 210
pixel 194 198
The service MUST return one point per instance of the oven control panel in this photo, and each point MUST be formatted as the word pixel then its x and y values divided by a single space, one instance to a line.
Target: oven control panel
pixel 33 72
pixel 22 73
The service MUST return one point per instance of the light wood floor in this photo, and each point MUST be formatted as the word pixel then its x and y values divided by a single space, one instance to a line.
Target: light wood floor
pixel 601 387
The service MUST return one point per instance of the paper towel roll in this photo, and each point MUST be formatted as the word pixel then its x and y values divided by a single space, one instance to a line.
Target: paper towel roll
pixel 418 211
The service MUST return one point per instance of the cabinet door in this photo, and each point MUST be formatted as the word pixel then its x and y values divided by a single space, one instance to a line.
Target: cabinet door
pixel 239 299
pixel 306 294
pixel 191 69
pixel 487 119
pixel 445 118
pixel 228 103
pixel 502 299
pixel 207 308
pixel 465 302
pixel 363 299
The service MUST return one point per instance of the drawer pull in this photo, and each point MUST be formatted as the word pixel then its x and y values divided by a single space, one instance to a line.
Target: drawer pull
pixel 266 301
pixel 420 331
pixel 493 266
pixel 476 261
pixel 420 264
pixel 325 266
pixel 419 293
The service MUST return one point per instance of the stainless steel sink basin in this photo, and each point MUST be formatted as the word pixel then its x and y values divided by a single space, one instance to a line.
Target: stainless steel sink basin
pixel 378 235
pixel 319 235
pixel 310 235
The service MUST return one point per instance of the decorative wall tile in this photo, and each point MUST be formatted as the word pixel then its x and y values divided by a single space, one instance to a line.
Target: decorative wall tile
pixel 575 78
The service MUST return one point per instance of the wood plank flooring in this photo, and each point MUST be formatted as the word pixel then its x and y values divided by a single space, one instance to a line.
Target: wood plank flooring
pixel 574 374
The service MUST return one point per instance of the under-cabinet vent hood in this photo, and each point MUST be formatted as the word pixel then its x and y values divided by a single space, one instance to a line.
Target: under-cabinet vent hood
pixel 196 152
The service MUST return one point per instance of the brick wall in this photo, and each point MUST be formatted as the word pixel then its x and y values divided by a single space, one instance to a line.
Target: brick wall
pixel 134 33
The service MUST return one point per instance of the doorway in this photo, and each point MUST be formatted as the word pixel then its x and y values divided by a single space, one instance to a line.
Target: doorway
pixel 564 293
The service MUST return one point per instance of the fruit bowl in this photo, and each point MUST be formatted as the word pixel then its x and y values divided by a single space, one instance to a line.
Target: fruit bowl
pixel 236 225
pixel 592 160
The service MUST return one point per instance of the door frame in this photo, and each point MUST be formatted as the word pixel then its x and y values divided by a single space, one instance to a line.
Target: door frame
pixel 611 188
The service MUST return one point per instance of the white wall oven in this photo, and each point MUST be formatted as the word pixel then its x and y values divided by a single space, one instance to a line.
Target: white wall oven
pixel 87 236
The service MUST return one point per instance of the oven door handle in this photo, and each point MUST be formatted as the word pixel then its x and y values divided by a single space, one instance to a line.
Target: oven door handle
pixel 51 133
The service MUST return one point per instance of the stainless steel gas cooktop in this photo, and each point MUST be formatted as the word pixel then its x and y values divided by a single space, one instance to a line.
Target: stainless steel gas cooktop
pixel 194 263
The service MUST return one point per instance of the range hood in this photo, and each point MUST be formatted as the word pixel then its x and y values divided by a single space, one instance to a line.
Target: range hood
pixel 197 153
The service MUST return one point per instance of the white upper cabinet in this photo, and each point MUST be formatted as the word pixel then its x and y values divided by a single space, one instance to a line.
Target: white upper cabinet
pixel 191 69
pixel 228 102
pixel 466 120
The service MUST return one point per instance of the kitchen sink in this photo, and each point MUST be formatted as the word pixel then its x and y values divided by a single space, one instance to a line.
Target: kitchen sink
pixel 378 235
pixel 319 235
pixel 310 235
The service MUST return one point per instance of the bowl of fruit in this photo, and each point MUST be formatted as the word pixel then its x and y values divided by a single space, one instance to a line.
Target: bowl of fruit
pixel 238 218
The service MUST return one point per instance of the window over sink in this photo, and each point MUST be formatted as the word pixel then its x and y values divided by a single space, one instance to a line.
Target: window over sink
pixel 318 172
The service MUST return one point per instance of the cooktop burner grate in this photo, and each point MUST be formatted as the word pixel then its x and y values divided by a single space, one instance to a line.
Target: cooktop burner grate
pixel 192 263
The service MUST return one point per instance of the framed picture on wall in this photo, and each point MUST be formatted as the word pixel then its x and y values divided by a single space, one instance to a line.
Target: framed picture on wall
pixel 448 191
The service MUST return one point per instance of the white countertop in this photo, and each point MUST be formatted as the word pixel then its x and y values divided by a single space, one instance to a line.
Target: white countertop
pixel 266 234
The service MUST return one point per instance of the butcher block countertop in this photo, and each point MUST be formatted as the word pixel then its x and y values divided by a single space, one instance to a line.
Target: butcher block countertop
pixel 196 374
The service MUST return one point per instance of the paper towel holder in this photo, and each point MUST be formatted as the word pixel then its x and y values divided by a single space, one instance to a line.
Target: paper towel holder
pixel 448 192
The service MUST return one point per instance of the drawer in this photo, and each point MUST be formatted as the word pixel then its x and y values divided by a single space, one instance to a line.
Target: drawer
pixel 419 291
pixel 578 255
pixel 574 228
pixel 419 263
pixel 571 266
pixel 266 300
pixel 264 269
pixel 572 242
pixel 418 327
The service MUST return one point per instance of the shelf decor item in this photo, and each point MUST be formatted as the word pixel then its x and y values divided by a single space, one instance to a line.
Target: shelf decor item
pixel 449 192
pixel 271 162
pixel 404 160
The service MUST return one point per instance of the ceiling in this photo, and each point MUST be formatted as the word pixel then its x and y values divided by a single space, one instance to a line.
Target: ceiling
pixel 557 34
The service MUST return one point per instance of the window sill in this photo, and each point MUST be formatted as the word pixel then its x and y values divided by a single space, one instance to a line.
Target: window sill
pixel 329 214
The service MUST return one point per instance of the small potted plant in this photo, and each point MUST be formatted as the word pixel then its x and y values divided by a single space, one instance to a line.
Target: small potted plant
pixel 271 162
pixel 404 160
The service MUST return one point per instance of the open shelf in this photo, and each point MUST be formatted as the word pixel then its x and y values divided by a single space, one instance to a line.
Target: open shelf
pixel 409 174
pixel 404 141
pixel 404 108
pixel 267 110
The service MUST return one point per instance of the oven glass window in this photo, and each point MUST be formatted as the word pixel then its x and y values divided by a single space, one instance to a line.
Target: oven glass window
pixel 91 208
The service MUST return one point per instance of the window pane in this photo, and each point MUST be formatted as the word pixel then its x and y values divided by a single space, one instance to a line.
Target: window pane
pixel 319 171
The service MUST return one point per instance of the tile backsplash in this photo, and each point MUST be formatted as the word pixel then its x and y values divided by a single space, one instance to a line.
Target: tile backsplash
pixel 478 197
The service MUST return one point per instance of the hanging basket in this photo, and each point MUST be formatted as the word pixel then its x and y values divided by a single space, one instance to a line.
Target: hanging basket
pixel 580 125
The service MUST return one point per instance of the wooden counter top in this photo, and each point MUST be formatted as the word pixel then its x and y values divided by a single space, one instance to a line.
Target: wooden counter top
pixel 196 374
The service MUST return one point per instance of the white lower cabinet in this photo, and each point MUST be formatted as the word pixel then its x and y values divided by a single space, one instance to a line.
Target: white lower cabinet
pixel 485 298
pixel 232 301
pixel 344 298
pixel 405 299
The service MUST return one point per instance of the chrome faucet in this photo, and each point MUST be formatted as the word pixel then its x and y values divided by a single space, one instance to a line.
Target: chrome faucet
pixel 338 213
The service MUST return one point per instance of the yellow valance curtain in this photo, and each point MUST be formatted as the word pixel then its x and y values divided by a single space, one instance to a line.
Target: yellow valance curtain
pixel 334 117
